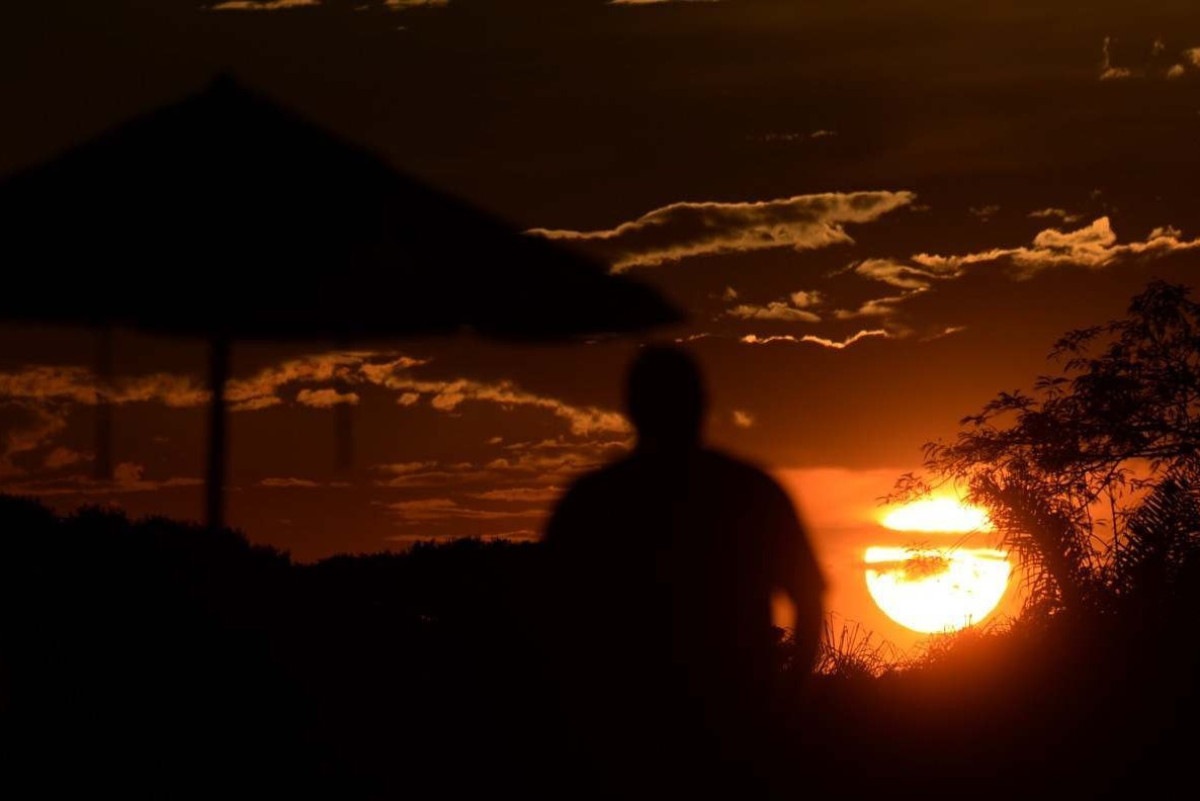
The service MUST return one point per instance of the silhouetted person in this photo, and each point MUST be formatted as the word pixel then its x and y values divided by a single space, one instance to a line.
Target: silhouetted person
pixel 665 564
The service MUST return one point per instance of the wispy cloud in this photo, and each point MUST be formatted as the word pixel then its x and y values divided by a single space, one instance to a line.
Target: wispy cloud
pixel 430 510
pixel 62 457
pixel 1109 72
pixel 905 276
pixel 289 483
pixel 447 396
pixel 878 307
pixel 34 430
pixel 264 5
pixel 1052 213
pixel 775 310
pixel 753 339
pixel 544 464
pixel 325 398
pixel 127 477
pixel 1093 246
pixel 683 230
pixel 39 399
pixel 521 494
pixel 1146 64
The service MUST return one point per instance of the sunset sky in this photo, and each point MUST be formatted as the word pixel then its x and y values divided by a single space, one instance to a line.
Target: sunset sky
pixel 877 215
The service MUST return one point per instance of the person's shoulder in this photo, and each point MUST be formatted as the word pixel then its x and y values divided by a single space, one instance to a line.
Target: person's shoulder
pixel 745 473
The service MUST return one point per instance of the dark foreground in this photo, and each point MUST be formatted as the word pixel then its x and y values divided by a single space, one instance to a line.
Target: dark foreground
pixel 157 660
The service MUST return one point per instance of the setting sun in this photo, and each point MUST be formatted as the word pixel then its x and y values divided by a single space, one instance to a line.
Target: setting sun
pixel 939 515
pixel 934 590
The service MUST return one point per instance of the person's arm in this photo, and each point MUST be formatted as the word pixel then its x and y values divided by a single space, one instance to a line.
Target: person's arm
pixel 799 576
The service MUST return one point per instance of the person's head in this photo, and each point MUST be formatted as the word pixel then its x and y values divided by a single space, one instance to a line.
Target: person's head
pixel 666 398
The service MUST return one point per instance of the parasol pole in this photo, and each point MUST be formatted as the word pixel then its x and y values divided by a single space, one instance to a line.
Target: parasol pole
pixel 218 375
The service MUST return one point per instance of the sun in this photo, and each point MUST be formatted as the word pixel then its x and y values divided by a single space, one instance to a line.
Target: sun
pixel 936 589
pixel 937 514
pixel 933 590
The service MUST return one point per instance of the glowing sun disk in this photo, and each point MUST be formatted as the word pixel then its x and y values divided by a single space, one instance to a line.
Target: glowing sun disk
pixel 937 514
pixel 937 589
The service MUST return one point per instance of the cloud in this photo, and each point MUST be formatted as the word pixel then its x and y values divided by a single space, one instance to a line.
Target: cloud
pixel 429 510
pixel 984 213
pixel 1107 71
pixel 949 330
pixel 289 483
pixel 1093 246
pixel 1154 64
pixel 804 300
pixel 325 398
pixel 78 385
pixel 548 463
pixel 62 457
pixel 28 436
pixel 268 5
pixel 127 477
pixel 130 477
pixel 775 310
pixel 263 389
pixel 447 396
pixel 905 276
pixel 405 468
pixel 686 229
pixel 521 494
pixel 877 307
pixel 742 419
pixel 41 397
pixel 1065 216
pixel 794 309
pixel 260 391
pixel 752 339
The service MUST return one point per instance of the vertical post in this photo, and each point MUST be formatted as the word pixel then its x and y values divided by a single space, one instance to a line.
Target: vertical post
pixel 218 375
pixel 103 465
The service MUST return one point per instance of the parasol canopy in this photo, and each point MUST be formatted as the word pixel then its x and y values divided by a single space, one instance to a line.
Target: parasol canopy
pixel 229 217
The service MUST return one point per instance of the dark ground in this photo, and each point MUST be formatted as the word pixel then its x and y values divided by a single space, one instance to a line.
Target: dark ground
pixel 151 659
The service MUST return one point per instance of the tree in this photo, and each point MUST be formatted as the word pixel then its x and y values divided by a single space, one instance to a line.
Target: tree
pixel 1093 480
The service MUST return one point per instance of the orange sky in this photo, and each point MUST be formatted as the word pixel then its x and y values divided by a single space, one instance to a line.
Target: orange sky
pixel 876 218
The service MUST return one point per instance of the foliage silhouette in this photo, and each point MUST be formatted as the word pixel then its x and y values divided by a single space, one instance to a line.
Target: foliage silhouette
pixel 1093 479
